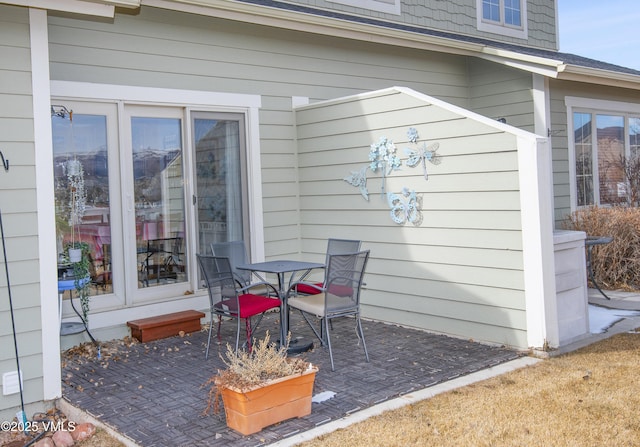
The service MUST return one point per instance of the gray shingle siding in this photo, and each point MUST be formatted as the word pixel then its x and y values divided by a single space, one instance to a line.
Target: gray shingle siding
pixel 432 16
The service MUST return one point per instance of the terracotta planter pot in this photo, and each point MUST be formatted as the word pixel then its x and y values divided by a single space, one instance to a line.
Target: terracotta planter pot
pixel 249 411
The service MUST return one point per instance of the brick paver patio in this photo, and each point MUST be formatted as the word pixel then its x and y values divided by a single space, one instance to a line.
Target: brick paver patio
pixel 151 392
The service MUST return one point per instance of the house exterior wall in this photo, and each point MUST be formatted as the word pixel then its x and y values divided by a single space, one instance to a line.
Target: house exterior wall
pixel 162 49
pixel 459 17
pixel 559 90
pixel 158 48
pixel 459 271
pixel 19 214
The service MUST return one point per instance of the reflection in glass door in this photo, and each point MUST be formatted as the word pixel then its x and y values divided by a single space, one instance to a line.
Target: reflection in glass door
pixel 159 200
pixel 81 192
pixel 220 178
pixel 611 150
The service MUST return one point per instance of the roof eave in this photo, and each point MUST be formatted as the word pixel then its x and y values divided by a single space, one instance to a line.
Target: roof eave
pixel 300 21
pixel 568 72
pixel 312 23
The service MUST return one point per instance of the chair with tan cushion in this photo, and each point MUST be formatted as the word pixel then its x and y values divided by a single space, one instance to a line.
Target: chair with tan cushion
pixel 334 247
pixel 339 296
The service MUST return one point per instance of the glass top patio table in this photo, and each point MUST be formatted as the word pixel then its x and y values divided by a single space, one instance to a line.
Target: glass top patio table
pixel 281 268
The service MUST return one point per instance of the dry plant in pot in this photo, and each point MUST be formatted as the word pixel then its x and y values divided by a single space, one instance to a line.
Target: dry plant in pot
pixel 261 387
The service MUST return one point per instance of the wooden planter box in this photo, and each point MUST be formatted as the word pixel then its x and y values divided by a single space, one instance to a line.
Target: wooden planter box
pixel 251 410
pixel 163 326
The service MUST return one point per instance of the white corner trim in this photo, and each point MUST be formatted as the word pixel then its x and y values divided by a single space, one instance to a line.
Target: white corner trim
pixel 536 198
pixel 541 106
pixel 51 373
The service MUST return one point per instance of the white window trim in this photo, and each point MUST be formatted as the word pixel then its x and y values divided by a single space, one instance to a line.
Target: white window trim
pixel 596 106
pixel 502 29
pixel 372 5
pixel 222 102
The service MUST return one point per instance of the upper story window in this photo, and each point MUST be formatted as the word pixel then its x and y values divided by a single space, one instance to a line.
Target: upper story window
pixel 386 6
pixel 506 17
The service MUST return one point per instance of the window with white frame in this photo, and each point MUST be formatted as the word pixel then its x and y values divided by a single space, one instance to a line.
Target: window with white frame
pixel 506 17
pixel 604 145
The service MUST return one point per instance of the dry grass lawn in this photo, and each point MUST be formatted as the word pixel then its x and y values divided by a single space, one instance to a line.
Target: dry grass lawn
pixel 590 397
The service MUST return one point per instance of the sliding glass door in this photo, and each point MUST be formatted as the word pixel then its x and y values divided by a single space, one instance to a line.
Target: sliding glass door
pixel 157 167
pixel 158 184
pixel 220 178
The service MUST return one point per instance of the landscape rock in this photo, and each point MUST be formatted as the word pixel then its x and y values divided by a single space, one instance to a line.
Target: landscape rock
pixel 45 442
pixel 63 439
pixel 83 431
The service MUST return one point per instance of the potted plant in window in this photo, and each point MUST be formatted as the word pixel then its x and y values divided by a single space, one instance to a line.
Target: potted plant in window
pixel 261 387
pixel 77 252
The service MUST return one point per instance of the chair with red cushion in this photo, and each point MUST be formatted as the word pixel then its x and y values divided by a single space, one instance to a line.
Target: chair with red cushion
pixel 227 299
pixel 334 247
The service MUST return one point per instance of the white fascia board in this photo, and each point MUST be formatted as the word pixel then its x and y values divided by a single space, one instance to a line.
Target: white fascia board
pixel 525 58
pixel 598 76
pixel 522 64
pixel 72 6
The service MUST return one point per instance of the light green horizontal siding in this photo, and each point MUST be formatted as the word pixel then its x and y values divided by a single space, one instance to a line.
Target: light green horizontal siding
pixel 19 212
pixel 464 262
pixel 482 219
pixel 502 93
pixel 159 48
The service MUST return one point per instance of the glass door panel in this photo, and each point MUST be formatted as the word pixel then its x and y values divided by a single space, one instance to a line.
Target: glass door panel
pixel 220 179
pixel 158 189
pixel 81 191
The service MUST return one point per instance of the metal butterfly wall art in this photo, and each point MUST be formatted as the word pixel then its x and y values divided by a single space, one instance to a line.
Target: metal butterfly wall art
pixel 359 179
pixel 405 207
